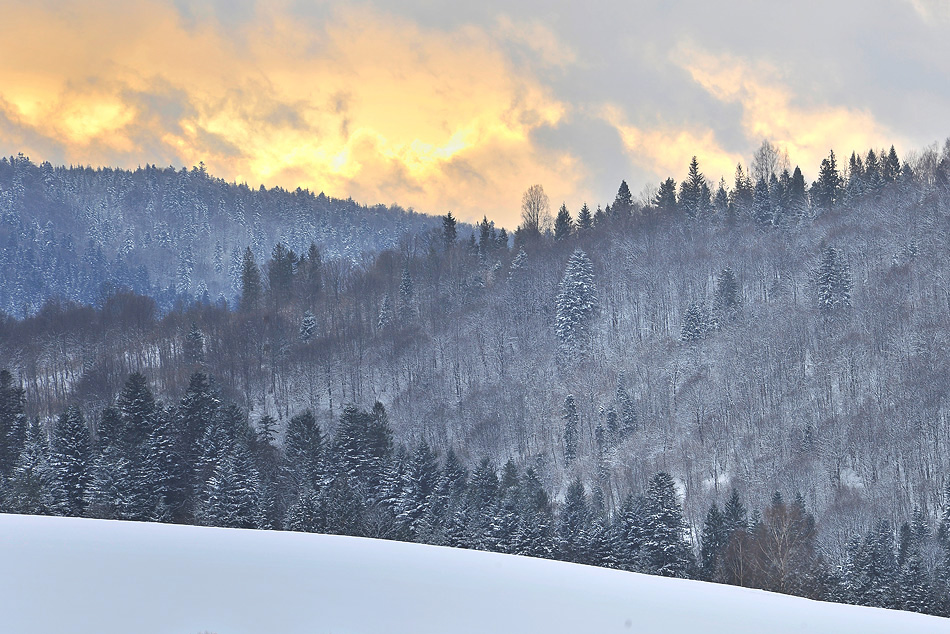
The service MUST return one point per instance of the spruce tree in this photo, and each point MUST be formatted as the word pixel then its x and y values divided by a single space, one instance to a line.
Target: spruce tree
pixel 194 345
pixel 622 206
pixel 585 219
pixel 665 200
pixel 251 289
pixel 695 324
pixel 715 537
pixel 71 457
pixel 563 224
pixel 666 549
pixel 727 297
pixel 449 233
pixel 761 204
pixel 304 450
pixel 573 524
pixel 827 189
pixel 308 326
pixel 576 304
pixel 571 424
pixel 13 423
pixel 833 282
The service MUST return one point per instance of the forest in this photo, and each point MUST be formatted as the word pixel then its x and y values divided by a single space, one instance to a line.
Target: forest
pixel 741 382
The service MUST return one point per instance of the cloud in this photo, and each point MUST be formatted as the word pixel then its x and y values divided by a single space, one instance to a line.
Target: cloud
pixel 807 128
pixel 363 103
pixel 666 150
pixel 931 10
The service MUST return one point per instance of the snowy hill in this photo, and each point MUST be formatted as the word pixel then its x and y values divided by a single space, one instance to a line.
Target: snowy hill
pixel 65 575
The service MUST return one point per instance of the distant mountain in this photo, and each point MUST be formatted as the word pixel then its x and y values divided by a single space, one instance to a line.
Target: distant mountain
pixel 79 233
pixel 71 575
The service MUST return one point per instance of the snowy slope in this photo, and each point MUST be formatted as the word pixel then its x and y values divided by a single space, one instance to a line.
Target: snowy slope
pixel 64 575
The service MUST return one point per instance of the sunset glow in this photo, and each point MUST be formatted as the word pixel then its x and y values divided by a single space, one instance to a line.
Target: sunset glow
pixel 385 106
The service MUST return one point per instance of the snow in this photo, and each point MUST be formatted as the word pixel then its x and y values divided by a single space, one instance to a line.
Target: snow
pixel 69 575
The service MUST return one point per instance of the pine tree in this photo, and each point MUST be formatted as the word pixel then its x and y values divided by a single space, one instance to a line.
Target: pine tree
pixel 13 423
pixel 626 410
pixel 231 498
pixel 695 324
pixel 797 196
pixel 872 172
pixel 137 408
pixel 584 218
pixel 727 299
pixel 761 204
pixel 833 282
pixel 194 346
pixel 714 540
pixel 308 326
pixel 827 189
pixel 573 524
pixel 694 192
pixel 742 195
pixel 303 448
pixel 449 233
pixel 417 495
pixel 251 289
pixel 33 487
pixel 891 169
pixel 563 224
pixel 666 550
pixel 665 200
pixel 622 206
pixel 571 424
pixel 71 453
pixel 576 304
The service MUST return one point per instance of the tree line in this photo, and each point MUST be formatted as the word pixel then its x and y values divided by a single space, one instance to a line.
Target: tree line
pixel 201 462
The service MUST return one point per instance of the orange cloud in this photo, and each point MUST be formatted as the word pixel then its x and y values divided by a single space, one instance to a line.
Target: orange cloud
pixel 364 104
pixel 667 150
pixel 771 110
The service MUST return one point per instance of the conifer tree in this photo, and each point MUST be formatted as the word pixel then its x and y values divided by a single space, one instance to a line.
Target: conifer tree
pixel 585 219
pixel 727 298
pixel 833 282
pixel 417 495
pixel 695 324
pixel 251 289
pixel 194 346
pixel 563 224
pixel 576 304
pixel 13 423
pixel 762 204
pixel 33 487
pixel 449 233
pixel 665 200
pixel 573 523
pixel 665 547
pixel 304 450
pixel 827 189
pixel 742 195
pixel 891 169
pixel 571 424
pixel 622 206
pixel 308 326
pixel 715 537
pixel 71 454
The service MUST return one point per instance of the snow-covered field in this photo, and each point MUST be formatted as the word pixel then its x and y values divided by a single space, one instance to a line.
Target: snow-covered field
pixel 65 575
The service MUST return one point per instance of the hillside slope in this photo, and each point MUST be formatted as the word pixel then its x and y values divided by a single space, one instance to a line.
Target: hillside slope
pixel 81 575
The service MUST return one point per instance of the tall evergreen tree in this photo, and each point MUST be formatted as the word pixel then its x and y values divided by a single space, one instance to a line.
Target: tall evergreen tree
pixel 622 206
pixel 449 232
pixel 715 537
pixel 571 424
pixel 71 457
pixel 826 191
pixel 833 281
pixel 407 306
pixel 585 219
pixel 576 304
pixel 563 224
pixel 251 289
pixel 666 548
pixel 13 423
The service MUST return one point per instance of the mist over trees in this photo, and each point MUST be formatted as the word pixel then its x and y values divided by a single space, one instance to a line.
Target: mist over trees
pixel 702 349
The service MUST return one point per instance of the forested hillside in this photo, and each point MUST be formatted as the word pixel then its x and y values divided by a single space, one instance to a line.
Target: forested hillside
pixel 742 382
pixel 80 234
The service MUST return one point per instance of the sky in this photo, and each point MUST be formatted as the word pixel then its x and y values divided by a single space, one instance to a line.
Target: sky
pixel 462 106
